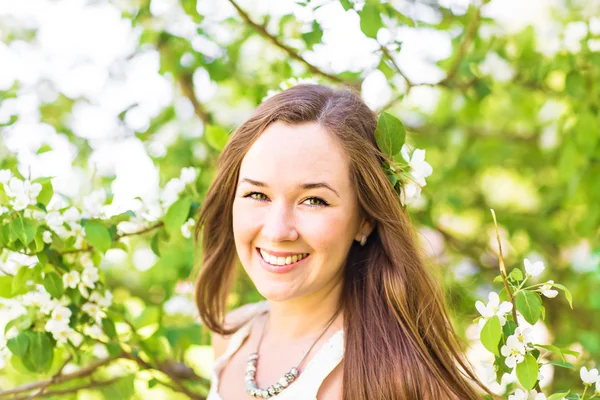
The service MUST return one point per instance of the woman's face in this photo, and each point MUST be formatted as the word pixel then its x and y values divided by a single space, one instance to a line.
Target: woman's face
pixel 295 213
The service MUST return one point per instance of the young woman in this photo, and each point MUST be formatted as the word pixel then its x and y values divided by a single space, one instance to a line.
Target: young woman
pixel 300 199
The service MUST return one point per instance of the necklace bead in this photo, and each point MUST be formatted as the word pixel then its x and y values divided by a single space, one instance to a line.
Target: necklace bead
pixel 252 387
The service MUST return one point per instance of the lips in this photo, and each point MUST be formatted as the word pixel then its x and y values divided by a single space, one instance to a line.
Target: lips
pixel 281 259
pixel 283 268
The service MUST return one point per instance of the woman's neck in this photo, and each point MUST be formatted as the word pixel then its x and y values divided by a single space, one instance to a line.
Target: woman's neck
pixel 304 318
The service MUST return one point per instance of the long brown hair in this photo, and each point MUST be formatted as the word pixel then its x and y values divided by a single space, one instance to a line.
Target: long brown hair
pixel 399 341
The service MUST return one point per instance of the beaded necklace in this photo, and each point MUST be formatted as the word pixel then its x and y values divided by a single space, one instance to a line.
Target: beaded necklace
pixel 251 386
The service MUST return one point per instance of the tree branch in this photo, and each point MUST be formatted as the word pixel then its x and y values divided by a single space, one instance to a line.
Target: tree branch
pixel 290 51
pixel 463 47
pixel 187 87
pixel 58 392
pixel 83 372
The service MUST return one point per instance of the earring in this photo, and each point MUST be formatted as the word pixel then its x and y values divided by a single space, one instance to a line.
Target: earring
pixel 363 240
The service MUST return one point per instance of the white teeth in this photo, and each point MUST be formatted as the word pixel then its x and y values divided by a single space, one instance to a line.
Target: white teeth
pixel 282 260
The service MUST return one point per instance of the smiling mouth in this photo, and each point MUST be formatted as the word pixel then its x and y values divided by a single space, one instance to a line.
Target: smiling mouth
pixel 279 261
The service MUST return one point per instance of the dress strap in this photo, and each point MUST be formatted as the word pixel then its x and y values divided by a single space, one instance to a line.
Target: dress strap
pixel 320 366
pixel 238 338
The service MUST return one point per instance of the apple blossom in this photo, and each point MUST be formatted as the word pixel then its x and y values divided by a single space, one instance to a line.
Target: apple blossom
pixel 186 229
pixel 513 350
pixel 548 291
pixel 589 377
pixel 71 279
pixel 494 308
pixel 533 269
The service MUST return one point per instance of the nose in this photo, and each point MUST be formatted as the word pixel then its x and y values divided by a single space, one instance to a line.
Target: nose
pixel 279 224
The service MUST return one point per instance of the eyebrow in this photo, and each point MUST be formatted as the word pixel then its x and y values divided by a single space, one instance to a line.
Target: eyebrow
pixel 311 185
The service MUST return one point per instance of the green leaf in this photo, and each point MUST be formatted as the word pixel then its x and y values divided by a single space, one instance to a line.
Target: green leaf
pixel 527 372
pixel 22 322
pixel 38 357
pixel 346 4
pixel 552 349
pixel 53 284
pixel 114 349
pixel 389 134
pixel 150 315
pixel 563 364
pixel 491 333
pixel 558 396
pixel 98 236
pixel 24 229
pixel 18 345
pixel 44 149
pixel 370 20
pixel 516 275
pixel 570 352
pixel 121 389
pixel 177 215
pixel 575 84
pixel 19 281
pixel 46 194
pixel 154 244
pixel 313 37
pixel 109 328
pixel 567 292
pixel 529 304
pixel 6 286
pixel 216 137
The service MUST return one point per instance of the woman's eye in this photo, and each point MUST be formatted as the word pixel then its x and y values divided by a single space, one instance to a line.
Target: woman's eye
pixel 315 202
pixel 256 195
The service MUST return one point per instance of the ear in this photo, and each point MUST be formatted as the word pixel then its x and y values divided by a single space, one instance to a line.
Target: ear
pixel 366 227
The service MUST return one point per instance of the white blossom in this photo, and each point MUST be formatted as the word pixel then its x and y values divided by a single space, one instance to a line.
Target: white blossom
pixel 36 298
pixel 188 175
pixel 5 176
pixel 62 333
pixel 533 269
pixel 513 350
pixel 71 279
pixel 93 204
pixel 519 394
pixel 492 308
pixel 89 277
pixel 23 193
pixel 98 298
pixel 171 192
pixel 534 395
pixel 589 377
pixel 94 331
pixel 180 304
pixel 523 334
pixel 186 229
pixel 99 350
pixel 548 291
pixel 94 311
pixel 419 168
pixel 47 237
pixel 410 192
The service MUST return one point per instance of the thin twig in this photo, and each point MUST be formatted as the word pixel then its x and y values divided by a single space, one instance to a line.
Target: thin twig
pixel 290 51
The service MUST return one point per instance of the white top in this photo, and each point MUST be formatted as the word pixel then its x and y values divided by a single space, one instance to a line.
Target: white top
pixel 306 385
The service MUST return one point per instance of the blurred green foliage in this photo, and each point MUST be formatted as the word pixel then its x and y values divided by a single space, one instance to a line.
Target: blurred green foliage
pixel 526 145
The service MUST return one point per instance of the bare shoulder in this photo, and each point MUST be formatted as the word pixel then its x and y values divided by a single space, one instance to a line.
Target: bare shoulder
pixel 331 388
pixel 233 318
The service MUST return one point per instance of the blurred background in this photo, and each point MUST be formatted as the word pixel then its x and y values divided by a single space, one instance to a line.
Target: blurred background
pixel 113 98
